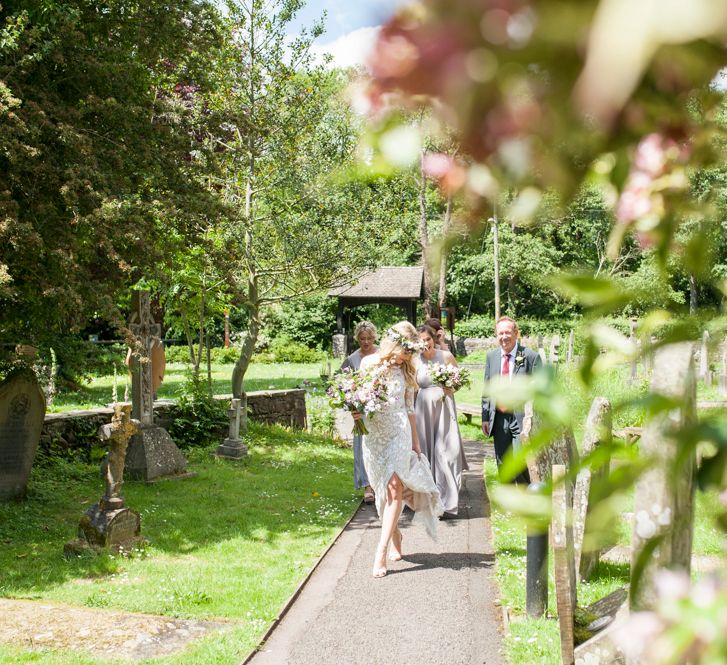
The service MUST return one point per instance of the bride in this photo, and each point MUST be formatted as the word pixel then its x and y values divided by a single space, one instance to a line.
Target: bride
pixel 396 469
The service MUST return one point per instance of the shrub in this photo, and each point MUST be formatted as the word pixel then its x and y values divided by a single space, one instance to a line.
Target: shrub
pixel 219 354
pixel 199 418
pixel 286 351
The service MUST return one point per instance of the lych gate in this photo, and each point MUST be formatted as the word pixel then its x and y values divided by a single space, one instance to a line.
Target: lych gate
pixel 402 287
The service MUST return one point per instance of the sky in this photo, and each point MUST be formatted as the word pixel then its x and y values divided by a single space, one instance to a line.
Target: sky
pixel 351 26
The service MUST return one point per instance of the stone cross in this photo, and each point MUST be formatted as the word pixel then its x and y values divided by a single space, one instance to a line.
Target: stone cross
pixel 117 433
pixel 144 328
pixel 664 496
pixel 233 447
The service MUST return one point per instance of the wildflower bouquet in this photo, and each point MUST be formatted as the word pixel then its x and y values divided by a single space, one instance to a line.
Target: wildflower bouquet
pixel 449 376
pixel 364 392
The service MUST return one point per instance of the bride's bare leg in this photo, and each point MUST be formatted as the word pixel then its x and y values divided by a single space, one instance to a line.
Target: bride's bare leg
pixel 389 519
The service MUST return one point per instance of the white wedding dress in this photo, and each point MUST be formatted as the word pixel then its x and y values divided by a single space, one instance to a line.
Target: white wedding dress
pixel 387 451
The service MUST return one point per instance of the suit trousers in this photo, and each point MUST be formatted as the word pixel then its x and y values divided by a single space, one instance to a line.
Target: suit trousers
pixel 505 435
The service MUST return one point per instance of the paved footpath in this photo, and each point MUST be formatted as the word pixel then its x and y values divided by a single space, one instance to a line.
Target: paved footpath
pixel 435 607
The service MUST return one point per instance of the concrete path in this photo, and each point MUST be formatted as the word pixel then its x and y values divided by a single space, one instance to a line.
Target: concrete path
pixel 435 607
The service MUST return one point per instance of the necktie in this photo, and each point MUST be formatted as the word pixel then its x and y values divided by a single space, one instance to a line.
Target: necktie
pixel 506 365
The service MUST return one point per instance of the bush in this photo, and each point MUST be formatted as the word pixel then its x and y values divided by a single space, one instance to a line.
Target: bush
pixel 199 419
pixel 310 321
pixel 219 354
pixel 286 351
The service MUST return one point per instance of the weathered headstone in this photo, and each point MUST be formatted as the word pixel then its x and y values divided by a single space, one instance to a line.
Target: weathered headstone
pixel 722 381
pixel 22 408
pixel 664 496
pixel 109 524
pixel 339 346
pixel 152 453
pixel 569 354
pixel 704 358
pixel 541 350
pixel 554 349
pixel 561 532
pixel 598 432
pixel 601 649
pixel 233 447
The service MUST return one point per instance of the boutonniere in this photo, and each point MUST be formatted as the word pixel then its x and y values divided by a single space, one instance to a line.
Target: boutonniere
pixel 519 360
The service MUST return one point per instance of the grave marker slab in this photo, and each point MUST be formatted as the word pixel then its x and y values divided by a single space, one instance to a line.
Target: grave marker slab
pixel 664 500
pixel 22 408
pixel 598 431
pixel 564 563
pixel 233 447
pixel 152 454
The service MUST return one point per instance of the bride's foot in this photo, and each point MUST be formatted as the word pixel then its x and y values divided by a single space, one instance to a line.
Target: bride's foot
pixel 380 562
pixel 396 553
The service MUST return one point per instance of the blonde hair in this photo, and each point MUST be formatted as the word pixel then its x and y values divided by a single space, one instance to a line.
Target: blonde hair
pixel 389 347
pixel 364 326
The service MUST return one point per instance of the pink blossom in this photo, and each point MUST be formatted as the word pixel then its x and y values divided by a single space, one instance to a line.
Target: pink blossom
pixel 652 154
pixel 635 201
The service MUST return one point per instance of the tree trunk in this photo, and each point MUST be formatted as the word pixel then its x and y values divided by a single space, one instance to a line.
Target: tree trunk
pixel 253 308
pixel 693 294
pixel 424 239
pixel 190 344
pixel 443 259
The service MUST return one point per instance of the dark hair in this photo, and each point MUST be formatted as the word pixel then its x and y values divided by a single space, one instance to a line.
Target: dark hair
pixel 427 329
pixel 435 324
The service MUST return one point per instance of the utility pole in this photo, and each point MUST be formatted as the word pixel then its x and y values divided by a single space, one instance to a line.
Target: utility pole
pixel 496 254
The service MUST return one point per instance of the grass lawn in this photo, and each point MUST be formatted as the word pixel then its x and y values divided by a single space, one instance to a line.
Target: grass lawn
pixel 259 377
pixel 233 542
pixel 537 642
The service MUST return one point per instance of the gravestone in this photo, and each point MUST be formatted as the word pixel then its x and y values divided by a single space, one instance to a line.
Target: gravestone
pixel 704 358
pixel 109 524
pixel 541 350
pixel 22 408
pixel 722 381
pixel 561 532
pixel 339 346
pixel 555 349
pixel 152 454
pixel 569 353
pixel 664 496
pixel 598 432
pixel 233 447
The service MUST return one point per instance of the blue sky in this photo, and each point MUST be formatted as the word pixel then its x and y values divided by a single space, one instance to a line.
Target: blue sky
pixel 345 16
pixel 351 27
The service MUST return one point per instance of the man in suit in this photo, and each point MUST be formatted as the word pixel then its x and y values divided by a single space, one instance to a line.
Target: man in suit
pixel 510 359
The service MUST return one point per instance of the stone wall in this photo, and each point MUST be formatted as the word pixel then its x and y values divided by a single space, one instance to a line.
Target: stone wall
pixel 282 407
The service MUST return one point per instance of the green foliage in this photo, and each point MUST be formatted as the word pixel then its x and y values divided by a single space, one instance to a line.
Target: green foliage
pixel 286 351
pixel 94 129
pixel 310 320
pixel 199 418
pixel 219 354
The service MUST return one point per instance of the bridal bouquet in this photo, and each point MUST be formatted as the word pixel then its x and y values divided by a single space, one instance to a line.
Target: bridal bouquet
pixel 449 376
pixel 362 392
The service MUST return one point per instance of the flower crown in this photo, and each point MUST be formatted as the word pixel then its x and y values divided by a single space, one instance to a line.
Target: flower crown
pixel 413 345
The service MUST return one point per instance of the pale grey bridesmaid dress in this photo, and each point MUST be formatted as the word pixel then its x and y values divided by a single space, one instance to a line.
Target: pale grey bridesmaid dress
pixel 439 435
pixel 360 479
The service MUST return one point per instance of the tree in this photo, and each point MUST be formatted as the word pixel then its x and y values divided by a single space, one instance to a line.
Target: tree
pixel 93 140
pixel 288 231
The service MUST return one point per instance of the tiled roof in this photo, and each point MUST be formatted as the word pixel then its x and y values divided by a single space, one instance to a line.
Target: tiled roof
pixel 386 282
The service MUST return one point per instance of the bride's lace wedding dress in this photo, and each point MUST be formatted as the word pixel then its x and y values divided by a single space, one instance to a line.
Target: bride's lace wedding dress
pixel 387 451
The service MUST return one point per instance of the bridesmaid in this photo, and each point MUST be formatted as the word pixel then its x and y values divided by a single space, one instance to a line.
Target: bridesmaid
pixel 365 335
pixel 440 334
pixel 436 418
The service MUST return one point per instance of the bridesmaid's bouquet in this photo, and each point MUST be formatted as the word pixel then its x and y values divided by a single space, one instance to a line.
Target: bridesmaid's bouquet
pixel 449 376
pixel 365 392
